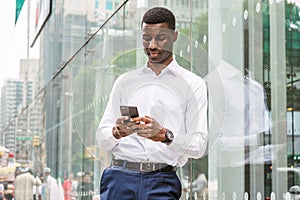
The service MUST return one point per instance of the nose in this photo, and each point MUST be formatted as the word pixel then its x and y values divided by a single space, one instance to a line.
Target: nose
pixel 153 43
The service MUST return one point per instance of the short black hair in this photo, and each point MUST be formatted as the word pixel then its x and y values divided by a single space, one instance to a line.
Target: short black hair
pixel 157 15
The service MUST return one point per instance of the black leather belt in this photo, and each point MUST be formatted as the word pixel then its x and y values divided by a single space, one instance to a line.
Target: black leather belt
pixel 144 166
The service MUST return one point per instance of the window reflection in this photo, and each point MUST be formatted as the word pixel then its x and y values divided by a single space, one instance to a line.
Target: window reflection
pixel 254 118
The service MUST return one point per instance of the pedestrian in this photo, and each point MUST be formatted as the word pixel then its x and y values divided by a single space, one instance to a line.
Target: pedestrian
pixel 85 188
pixel 171 126
pixel 36 186
pixel 1 191
pixel 50 189
pixel 24 185
pixel 67 187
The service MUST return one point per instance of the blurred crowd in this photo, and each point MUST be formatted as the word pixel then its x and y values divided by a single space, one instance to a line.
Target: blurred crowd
pixel 30 186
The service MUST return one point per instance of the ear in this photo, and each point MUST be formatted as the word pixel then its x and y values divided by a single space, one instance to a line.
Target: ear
pixel 175 35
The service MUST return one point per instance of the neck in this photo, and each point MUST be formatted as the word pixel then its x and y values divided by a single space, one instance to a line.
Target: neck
pixel 158 67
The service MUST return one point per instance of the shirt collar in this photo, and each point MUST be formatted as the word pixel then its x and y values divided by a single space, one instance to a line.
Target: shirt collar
pixel 171 68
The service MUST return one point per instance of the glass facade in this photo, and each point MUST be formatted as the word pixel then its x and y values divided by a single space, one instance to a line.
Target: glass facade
pixel 246 51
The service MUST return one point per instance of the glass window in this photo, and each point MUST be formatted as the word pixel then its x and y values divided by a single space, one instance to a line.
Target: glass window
pixel 246 51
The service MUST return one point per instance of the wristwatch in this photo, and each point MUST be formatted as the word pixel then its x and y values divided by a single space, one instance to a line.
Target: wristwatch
pixel 169 137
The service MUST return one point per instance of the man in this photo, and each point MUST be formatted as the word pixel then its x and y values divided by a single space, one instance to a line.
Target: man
pixel 24 185
pixel 36 186
pixel 171 127
pixel 50 187
pixel 67 186
pixel 85 189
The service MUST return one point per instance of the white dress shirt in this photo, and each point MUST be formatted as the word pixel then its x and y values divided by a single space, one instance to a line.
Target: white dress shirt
pixel 176 98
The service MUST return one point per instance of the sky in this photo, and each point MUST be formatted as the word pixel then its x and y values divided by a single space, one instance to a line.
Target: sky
pixel 6 21
pixel 9 50
pixel 13 39
pixel 7 14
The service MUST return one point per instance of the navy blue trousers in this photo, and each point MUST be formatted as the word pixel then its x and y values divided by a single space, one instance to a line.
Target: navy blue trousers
pixel 121 184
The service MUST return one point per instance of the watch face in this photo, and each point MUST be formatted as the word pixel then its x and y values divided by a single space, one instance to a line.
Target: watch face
pixel 170 135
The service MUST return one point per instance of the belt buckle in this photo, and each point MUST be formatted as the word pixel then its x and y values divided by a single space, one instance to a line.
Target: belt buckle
pixel 147 167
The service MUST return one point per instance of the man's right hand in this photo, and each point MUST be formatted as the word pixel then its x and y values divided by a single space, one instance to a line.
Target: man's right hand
pixel 124 127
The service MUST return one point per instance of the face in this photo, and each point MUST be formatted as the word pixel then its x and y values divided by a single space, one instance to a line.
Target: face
pixel 158 43
pixel 87 178
pixel 71 175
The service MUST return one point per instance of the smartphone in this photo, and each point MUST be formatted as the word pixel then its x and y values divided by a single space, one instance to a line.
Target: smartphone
pixel 130 111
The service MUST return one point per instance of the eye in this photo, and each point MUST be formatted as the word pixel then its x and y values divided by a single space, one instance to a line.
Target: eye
pixel 161 37
pixel 147 37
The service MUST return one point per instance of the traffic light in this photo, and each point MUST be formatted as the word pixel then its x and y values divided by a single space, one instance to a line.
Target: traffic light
pixel 36 141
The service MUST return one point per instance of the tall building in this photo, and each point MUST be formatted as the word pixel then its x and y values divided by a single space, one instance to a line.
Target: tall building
pixel 182 10
pixel 11 99
pixel 28 122
pixel 20 120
